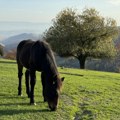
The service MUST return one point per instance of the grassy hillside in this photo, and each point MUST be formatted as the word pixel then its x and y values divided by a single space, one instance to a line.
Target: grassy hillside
pixel 86 95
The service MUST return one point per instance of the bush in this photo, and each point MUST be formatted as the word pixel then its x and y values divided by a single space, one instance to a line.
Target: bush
pixel 10 55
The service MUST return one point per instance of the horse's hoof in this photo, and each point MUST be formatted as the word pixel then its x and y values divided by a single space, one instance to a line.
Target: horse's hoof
pixel 32 103
pixel 19 94
pixel 45 100
pixel 28 96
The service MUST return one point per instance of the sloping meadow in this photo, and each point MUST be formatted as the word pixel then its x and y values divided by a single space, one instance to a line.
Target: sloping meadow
pixel 86 95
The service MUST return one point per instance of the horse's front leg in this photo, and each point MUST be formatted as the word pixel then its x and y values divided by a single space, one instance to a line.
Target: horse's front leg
pixel 43 85
pixel 32 83
pixel 27 73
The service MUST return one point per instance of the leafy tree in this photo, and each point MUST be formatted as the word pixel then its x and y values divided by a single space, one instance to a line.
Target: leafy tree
pixel 82 35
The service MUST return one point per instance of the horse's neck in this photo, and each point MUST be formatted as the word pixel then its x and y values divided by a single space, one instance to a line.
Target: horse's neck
pixel 51 78
pixel 51 72
pixel 51 67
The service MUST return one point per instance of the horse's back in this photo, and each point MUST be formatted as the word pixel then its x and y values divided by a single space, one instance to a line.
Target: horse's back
pixel 30 53
pixel 38 54
pixel 34 54
pixel 23 52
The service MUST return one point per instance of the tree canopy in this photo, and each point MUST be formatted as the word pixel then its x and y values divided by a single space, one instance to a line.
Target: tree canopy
pixel 83 35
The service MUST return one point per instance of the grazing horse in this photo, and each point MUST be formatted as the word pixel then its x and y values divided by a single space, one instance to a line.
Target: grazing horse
pixel 38 56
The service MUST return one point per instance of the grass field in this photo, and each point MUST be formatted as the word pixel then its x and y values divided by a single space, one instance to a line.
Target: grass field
pixel 86 95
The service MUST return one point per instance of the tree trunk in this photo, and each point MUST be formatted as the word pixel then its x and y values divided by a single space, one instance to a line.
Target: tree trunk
pixel 82 59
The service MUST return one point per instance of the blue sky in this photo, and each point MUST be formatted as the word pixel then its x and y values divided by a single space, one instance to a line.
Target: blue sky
pixel 46 10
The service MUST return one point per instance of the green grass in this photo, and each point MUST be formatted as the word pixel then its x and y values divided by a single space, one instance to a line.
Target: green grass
pixel 86 95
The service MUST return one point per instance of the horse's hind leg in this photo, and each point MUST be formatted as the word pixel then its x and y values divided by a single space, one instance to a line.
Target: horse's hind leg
pixel 20 68
pixel 27 75
pixel 32 83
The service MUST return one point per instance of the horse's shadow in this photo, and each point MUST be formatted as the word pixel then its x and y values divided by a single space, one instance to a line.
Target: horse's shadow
pixel 15 111
pixel 7 62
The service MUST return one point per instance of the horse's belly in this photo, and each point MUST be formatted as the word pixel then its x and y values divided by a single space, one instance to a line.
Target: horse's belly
pixel 25 62
pixel 25 58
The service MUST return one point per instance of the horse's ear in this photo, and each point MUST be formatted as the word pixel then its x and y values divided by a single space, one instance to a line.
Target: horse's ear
pixel 62 79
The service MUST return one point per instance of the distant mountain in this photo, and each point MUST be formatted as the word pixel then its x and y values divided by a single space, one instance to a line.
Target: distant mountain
pixel 1 37
pixel 8 29
pixel 12 42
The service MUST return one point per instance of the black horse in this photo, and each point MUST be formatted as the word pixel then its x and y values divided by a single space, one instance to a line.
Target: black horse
pixel 38 56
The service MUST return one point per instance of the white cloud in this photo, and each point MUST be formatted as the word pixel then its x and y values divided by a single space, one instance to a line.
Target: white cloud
pixel 114 2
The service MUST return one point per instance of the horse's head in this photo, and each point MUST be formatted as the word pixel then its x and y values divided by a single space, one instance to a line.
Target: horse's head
pixel 54 93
